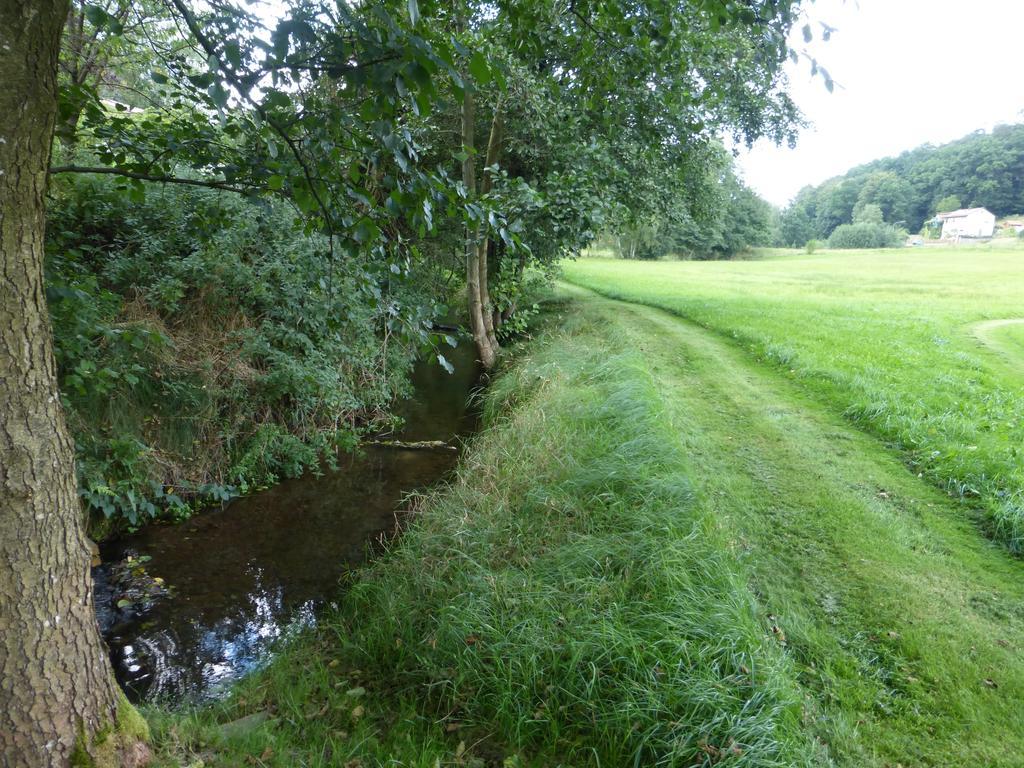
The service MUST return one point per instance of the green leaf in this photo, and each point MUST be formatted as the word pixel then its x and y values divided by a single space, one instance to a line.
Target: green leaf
pixel 275 182
pixel 219 94
pixel 480 69
pixel 233 54
pixel 414 11
pixel 365 231
pixel 100 19
pixel 137 192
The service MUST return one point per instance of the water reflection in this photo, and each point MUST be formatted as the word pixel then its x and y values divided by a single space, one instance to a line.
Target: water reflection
pixel 244 576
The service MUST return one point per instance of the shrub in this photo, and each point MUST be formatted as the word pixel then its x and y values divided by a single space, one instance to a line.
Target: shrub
pixel 205 347
pixel 866 235
pixel 812 246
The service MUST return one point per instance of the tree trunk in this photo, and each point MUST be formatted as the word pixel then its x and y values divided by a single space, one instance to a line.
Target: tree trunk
pixel 56 684
pixel 477 325
pixel 491 159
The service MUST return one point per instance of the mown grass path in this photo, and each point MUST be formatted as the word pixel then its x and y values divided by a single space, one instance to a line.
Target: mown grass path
pixel 1006 339
pixel 905 624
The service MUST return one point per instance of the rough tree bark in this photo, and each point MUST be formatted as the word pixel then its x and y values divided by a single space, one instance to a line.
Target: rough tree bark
pixel 56 684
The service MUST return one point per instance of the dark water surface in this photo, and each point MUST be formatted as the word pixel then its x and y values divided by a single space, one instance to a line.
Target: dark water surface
pixel 245 575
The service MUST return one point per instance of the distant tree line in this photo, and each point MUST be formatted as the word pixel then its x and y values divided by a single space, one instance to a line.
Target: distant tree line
pixel 979 170
pixel 698 210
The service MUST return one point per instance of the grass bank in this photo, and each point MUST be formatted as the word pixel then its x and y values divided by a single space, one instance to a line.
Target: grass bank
pixel 658 552
pixel 886 337
pixel 566 600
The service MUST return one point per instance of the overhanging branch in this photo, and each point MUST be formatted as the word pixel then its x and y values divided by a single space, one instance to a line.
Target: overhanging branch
pixel 208 183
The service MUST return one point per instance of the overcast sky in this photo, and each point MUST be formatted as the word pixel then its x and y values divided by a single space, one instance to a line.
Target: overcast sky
pixel 907 72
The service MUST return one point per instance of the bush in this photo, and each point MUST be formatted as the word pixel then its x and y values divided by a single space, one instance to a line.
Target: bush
pixel 812 246
pixel 866 235
pixel 205 347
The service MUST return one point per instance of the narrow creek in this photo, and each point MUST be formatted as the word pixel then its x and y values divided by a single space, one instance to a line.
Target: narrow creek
pixel 242 576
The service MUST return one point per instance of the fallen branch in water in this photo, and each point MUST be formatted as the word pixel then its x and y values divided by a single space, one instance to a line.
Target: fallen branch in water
pixel 421 445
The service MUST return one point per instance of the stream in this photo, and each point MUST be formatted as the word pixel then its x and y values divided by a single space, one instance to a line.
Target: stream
pixel 242 576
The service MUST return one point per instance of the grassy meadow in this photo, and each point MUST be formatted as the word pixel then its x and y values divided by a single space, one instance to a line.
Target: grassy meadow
pixel 918 346
pixel 659 552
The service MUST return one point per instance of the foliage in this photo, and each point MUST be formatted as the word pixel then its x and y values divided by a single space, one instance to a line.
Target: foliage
pixel 870 213
pixel 866 234
pixel 705 212
pixel 349 120
pixel 947 204
pixel 206 347
pixel 979 170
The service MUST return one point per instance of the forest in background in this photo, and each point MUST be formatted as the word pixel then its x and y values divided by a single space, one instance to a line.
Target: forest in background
pixel 980 170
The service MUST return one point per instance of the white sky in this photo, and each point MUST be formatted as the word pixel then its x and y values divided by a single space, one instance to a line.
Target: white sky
pixel 907 72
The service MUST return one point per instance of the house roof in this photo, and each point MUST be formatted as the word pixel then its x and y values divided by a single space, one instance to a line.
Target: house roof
pixel 962 213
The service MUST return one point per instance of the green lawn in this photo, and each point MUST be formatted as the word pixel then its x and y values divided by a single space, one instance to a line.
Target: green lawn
pixel 896 340
pixel 659 552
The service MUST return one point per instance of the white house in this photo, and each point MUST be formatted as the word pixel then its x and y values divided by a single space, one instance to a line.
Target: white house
pixel 967 223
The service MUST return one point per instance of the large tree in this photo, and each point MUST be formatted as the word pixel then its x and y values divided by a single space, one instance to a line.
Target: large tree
pixel 56 686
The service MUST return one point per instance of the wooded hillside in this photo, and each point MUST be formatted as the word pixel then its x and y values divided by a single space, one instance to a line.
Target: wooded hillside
pixel 979 170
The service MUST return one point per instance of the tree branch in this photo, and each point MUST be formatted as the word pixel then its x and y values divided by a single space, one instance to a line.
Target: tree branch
pixel 244 92
pixel 208 183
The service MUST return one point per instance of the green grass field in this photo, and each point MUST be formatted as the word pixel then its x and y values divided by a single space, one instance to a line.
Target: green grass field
pixel 659 552
pixel 920 346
